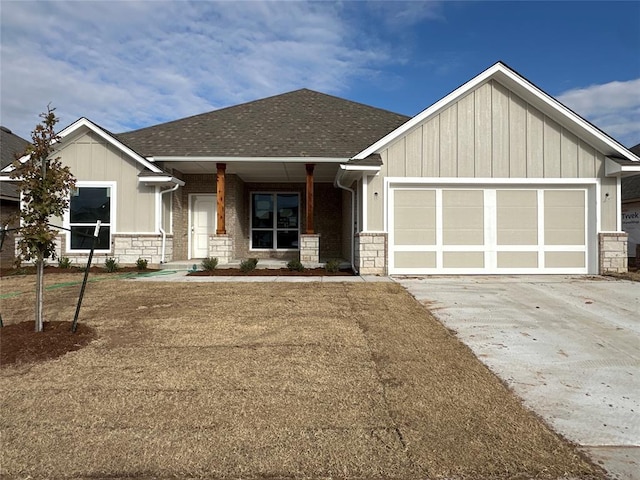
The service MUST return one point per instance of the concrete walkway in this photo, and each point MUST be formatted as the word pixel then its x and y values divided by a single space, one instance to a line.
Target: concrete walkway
pixel 568 346
pixel 181 276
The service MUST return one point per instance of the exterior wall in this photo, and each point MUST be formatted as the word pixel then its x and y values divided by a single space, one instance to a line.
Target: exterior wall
pixel 347 227
pixel 91 158
pixel 613 252
pixel 490 133
pixel 180 209
pixel 327 221
pixel 371 253
pixel 221 247
pixel 310 250
pixel 125 248
pixel 7 256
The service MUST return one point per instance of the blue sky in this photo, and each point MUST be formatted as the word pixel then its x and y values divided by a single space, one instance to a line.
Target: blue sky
pixel 127 64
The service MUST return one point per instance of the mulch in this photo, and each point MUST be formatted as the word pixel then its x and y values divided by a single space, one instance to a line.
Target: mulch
pixel 264 272
pixel 50 269
pixel 20 343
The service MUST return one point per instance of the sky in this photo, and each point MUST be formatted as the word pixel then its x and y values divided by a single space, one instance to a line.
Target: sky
pixel 130 64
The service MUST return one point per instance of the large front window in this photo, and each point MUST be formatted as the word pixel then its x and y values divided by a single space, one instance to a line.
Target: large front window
pixel 275 221
pixel 87 206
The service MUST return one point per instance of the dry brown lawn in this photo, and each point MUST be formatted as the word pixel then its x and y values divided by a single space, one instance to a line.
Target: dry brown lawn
pixel 264 380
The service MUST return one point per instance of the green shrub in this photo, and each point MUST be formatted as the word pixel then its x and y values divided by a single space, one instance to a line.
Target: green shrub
pixel 295 265
pixel 209 264
pixel 141 263
pixel 248 265
pixel 64 262
pixel 332 266
pixel 111 264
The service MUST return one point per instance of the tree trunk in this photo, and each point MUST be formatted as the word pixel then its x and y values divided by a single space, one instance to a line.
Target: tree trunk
pixel 39 293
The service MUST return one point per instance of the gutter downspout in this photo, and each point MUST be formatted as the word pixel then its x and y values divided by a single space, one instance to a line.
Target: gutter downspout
pixel 162 232
pixel 352 225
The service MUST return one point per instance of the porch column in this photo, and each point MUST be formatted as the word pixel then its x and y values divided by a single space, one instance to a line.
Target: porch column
pixel 309 167
pixel 220 228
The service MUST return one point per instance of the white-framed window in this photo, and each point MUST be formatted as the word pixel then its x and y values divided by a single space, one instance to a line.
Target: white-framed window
pixel 90 202
pixel 275 221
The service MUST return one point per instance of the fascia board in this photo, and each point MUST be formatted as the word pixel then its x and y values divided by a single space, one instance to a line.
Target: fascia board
pixel 85 122
pixel 439 105
pixel 157 158
pixel 616 169
pixel 161 179
pixel 532 94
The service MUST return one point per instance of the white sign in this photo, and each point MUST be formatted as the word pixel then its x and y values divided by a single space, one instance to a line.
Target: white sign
pixel 631 225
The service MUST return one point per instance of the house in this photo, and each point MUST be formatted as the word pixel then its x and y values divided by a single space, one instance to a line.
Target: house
pixel 11 145
pixel 496 177
pixel 630 192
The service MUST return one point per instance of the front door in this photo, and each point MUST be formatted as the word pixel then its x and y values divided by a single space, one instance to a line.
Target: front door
pixel 203 214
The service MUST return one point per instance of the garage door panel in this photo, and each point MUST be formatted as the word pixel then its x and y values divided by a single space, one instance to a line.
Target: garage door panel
pixel 564 260
pixel 415 259
pixel 415 217
pixel 517 217
pixel 463 217
pixel 564 217
pixel 463 259
pixel 517 259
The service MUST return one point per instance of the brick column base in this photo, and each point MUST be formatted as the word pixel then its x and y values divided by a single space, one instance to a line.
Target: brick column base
pixel 221 247
pixel 371 253
pixel 612 250
pixel 310 249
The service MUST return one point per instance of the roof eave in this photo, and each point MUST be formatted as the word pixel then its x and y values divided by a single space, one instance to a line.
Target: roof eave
pixel 532 94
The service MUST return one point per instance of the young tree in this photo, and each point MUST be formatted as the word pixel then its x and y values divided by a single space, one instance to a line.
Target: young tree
pixel 45 186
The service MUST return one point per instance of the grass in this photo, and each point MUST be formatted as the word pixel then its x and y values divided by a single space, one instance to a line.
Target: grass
pixel 273 380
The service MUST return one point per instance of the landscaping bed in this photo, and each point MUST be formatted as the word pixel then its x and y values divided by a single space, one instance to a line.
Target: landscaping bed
pixel 263 272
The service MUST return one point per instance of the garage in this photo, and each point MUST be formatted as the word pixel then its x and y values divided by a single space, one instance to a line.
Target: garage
pixel 480 229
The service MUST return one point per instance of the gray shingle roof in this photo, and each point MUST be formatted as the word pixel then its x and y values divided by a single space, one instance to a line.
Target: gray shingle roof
pixel 10 146
pixel 631 185
pixel 302 123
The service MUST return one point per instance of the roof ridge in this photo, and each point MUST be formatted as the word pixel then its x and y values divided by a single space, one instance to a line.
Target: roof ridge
pixel 260 100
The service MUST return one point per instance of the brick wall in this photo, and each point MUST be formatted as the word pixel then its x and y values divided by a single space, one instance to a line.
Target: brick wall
pixel 613 252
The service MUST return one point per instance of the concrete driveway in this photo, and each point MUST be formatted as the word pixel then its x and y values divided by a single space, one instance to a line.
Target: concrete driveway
pixel 568 346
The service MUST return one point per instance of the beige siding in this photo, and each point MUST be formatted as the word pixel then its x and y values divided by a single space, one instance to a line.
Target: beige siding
pixel 482 141
pixel 466 137
pixel 491 133
pixel 92 159
pixel 608 199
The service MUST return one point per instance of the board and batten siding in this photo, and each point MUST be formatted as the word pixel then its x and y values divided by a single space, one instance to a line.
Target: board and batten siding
pixel 490 133
pixel 90 158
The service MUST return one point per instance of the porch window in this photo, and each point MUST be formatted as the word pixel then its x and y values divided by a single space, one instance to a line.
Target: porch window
pixel 275 221
pixel 87 206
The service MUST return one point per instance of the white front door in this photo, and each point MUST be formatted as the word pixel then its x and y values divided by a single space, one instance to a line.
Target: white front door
pixel 203 214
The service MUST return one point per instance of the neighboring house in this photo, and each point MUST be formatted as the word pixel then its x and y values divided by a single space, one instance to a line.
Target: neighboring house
pixel 631 211
pixel 497 177
pixel 11 145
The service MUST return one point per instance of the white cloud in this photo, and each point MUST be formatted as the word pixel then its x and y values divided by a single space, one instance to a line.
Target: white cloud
pixel 614 107
pixel 131 64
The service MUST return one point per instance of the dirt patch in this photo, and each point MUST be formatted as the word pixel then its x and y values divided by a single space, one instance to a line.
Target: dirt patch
pixel 264 272
pixel 265 380
pixel 21 344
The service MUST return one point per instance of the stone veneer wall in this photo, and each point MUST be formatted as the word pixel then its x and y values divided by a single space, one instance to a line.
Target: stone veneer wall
pixel 612 250
pixel 371 253
pixel 125 248
pixel 221 247
pixel 310 249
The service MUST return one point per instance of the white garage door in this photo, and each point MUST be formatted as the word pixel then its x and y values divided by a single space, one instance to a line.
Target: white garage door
pixel 488 230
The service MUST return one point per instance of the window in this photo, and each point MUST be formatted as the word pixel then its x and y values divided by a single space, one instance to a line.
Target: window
pixel 87 206
pixel 274 221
